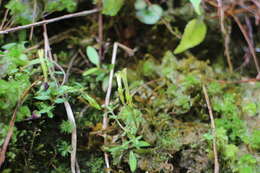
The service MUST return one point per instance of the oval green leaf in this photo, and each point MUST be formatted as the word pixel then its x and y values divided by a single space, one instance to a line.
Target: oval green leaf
pixel 151 15
pixel 194 33
pixel 140 4
pixel 132 161
pixel 93 55
pixel 112 7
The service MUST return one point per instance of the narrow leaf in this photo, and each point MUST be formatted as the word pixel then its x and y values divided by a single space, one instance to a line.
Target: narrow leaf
pixel 132 161
pixel 91 101
pixel 196 6
pixel 105 83
pixel 91 71
pixel 194 33
pixel 93 55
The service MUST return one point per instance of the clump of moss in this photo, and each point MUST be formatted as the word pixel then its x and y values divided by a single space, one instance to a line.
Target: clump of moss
pixel 175 121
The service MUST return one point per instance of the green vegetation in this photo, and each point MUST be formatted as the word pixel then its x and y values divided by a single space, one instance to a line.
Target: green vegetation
pixel 65 106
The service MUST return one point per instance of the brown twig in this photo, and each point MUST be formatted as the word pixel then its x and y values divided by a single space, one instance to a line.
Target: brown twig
pixel 237 82
pixel 12 122
pixel 230 11
pixel 216 164
pixel 225 34
pixel 78 14
pixel 54 39
pixel 249 43
pixel 70 115
pixel 70 66
pixel 227 48
pixel 3 21
pixel 34 14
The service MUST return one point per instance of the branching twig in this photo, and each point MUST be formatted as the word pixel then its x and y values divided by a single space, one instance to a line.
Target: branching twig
pixel 82 13
pixel 249 43
pixel 216 164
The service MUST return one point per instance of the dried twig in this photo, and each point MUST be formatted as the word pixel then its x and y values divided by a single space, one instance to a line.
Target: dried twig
pixel 249 43
pixel 238 82
pixel 68 108
pixel 4 19
pixel 82 13
pixel 70 66
pixel 216 164
pixel 54 39
pixel 108 94
pixel 232 13
pixel 73 137
pixel 225 34
pixel 34 16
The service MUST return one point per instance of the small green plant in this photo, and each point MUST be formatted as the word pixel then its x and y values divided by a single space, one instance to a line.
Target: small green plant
pixel 131 119
pixel 100 72
pixel 66 126
pixel 25 12
pixel 148 14
pixel 64 148
pixel 95 164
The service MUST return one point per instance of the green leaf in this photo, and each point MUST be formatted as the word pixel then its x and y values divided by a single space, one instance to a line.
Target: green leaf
pixel 142 144
pixel 112 7
pixel 105 84
pixel 150 15
pixel 59 5
pixel 45 108
pixel 93 55
pixel 196 6
pixel 194 33
pixel 91 101
pixel 21 11
pixel 59 100
pixel 91 71
pixel 132 161
pixel 42 97
pixel 23 113
pixel 149 67
pixel 140 4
